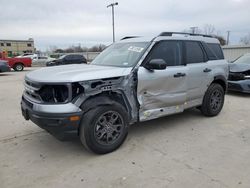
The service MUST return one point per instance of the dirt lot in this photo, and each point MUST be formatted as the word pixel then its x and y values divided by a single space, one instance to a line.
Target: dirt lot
pixel 184 150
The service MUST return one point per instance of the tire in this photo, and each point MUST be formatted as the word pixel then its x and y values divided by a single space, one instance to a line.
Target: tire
pixel 213 100
pixel 97 132
pixel 18 67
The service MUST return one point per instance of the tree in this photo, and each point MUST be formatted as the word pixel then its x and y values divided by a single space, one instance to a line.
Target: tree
pixel 59 50
pixel 77 49
pixel 52 48
pixel 97 48
pixel 221 39
pixel 246 39
pixel 69 50
pixel 209 29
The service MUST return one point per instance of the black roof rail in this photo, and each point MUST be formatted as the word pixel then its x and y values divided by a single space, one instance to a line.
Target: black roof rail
pixel 129 37
pixel 184 33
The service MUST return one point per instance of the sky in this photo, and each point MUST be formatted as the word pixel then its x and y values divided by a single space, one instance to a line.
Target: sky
pixel 54 23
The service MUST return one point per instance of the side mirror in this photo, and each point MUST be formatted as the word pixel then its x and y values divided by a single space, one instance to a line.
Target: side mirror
pixel 156 64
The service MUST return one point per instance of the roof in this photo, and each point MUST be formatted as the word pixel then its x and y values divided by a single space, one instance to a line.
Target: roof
pixel 173 36
pixel 11 40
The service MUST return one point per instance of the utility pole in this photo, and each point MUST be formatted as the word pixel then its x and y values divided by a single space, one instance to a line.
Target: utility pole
pixel 193 29
pixel 113 17
pixel 228 35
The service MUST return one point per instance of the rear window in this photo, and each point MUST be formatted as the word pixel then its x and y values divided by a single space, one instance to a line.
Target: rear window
pixel 214 49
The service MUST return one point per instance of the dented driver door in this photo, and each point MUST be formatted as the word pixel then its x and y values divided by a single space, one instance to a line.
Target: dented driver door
pixel 163 92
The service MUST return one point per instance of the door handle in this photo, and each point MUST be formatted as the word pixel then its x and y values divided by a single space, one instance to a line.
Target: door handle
pixel 207 70
pixel 179 74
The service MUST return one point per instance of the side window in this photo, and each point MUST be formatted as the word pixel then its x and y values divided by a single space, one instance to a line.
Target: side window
pixel 68 57
pixel 74 57
pixel 194 53
pixel 40 57
pixel 78 57
pixel 169 51
pixel 216 49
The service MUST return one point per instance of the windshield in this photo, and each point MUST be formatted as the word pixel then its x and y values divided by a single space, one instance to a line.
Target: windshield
pixel 243 59
pixel 121 54
pixel 61 57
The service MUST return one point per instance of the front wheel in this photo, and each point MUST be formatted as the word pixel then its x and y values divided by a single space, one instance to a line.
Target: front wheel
pixel 104 128
pixel 213 100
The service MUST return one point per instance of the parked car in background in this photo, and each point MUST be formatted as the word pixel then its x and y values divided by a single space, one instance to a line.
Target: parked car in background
pixel 4 66
pixel 68 59
pixel 239 75
pixel 41 60
pixel 133 80
pixel 15 63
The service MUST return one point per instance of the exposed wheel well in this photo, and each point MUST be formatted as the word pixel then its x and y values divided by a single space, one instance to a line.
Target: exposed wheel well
pixel 18 64
pixel 104 98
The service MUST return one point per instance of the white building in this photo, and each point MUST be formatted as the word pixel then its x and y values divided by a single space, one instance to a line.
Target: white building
pixel 232 52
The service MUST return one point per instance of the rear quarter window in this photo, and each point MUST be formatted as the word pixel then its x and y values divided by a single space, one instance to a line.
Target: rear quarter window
pixel 214 50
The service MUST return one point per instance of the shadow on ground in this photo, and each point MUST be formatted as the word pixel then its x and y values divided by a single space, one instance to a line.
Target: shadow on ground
pixel 5 74
pixel 142 129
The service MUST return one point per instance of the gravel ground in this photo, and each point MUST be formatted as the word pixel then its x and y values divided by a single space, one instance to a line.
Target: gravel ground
pixel 184 150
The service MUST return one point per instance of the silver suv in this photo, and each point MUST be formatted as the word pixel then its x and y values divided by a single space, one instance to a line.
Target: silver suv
pixel 133 80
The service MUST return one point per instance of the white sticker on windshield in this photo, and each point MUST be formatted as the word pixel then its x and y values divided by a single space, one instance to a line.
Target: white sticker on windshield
pixel 135 49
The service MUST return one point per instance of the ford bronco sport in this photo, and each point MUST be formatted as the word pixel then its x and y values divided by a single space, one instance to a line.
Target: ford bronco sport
pixel 133 80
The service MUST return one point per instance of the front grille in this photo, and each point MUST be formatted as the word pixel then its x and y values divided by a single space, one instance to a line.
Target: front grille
pixel 33 95
pixel 31 89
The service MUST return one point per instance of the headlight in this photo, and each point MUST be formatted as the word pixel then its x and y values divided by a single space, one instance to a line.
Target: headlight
pixel 54 93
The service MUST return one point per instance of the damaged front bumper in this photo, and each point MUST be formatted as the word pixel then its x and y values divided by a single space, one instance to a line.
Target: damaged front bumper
pixel 62 121
pixel 240 85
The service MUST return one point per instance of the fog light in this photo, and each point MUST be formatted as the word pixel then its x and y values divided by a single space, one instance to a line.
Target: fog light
pixel 74 118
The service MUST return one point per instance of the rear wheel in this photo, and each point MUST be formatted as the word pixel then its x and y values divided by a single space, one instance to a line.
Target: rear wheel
pixel 213 100
pixel 104 128
pixel 18 67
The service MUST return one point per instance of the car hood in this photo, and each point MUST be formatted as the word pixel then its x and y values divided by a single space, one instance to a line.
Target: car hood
pixel 3 62
pixel 56 60
pixel 75 73
pixel 239 67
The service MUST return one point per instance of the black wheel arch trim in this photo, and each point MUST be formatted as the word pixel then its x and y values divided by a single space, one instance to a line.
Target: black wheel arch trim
pixel 221 80
pixel 104 99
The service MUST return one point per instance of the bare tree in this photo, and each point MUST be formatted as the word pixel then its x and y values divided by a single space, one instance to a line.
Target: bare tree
pixel 77 49
pixel 52 48
pixel 209 29
pixel 246 39
pixel 221 39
